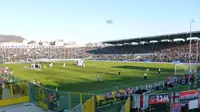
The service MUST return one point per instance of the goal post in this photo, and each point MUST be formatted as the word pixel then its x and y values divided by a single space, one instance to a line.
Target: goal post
pixel 180 69
pixel 183 68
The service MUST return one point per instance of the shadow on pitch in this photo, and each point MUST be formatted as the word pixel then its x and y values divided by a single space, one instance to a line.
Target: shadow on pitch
pixel 86 85
pixel 155 69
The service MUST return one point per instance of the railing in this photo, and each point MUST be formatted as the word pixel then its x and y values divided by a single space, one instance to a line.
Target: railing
pixel 78 108
pixel 122 109
pixel 14 94
pixel 61 100
pixel 23 91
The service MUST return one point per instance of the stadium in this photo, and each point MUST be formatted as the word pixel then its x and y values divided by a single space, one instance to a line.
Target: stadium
pixel 115 76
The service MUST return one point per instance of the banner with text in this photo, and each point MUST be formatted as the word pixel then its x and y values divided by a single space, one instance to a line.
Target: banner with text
pixel 199 96
pixel 159 98
pixel 187 96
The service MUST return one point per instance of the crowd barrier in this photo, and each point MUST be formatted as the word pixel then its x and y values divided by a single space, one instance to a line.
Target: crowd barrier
pixel 78 108
pixel 122 109
pixel 10 78
pixel 63 100
pixel 14 94
pixel 20 91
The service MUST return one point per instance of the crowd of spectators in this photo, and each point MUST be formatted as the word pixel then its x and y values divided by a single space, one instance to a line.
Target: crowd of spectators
pixel 5 73
pixel 159 52
pixel 17 54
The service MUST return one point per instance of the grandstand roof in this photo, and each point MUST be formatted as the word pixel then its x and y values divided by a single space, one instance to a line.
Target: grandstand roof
pixel 183 35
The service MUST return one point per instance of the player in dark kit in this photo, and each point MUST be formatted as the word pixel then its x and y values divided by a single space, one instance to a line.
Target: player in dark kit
pixel 119 73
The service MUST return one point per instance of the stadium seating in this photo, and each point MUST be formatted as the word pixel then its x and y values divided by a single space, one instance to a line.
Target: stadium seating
pixel 165 51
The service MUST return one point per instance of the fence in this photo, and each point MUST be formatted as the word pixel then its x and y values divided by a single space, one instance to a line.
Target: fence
pixel 123 109
pixel 14 94
pixel 78 108
pixel 10 78
pixel 62 100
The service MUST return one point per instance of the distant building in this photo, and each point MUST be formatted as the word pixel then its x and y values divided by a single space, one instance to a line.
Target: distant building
pixel 13 45
pixel 59 43
pixel 45 44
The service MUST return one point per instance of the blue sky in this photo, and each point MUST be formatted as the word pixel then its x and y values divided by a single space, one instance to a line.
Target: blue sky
pixel 85 20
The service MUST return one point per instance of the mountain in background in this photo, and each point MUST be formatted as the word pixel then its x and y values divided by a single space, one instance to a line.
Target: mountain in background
pixel 10 38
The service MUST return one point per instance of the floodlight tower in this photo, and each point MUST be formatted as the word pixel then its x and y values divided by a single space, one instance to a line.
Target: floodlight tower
pixel 197 55
pixel 190 48
pixel 109 22
pixel 197 52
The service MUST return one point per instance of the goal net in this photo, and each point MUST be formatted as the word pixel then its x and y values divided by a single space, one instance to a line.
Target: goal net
pixel 183 68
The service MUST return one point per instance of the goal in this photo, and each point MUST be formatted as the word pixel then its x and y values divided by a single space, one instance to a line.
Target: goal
pixel 183 68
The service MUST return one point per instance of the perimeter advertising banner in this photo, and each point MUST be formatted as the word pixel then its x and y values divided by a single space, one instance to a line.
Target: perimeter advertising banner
pixel 199 96
pixel 159 98
pixel 187 96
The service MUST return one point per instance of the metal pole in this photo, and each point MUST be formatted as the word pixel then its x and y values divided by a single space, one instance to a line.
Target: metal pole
pixel 197 54
pixel 190 55
pixel 109 22
pixel 64 51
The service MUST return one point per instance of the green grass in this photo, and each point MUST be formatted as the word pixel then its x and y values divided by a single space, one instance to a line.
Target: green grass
pixel 79 79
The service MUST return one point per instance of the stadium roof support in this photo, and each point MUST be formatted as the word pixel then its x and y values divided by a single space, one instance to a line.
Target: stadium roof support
pixel 159 38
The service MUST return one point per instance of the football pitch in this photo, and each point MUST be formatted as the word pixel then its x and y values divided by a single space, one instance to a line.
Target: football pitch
pixel 79 79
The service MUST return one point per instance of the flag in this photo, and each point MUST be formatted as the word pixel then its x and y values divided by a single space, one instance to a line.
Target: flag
pixel 145 101
pixel 136 99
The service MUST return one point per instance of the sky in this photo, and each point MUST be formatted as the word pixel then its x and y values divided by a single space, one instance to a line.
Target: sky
pixel 84 21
